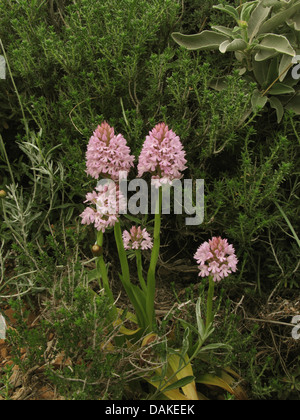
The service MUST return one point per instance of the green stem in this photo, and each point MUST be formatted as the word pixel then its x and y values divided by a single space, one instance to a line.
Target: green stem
pixel 122 254
pixel 153 262
pixel 209 313
pixel 103 271
pixel 139 267
pixel 131 290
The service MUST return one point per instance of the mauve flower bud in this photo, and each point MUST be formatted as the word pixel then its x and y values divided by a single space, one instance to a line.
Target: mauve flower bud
pixel 97 250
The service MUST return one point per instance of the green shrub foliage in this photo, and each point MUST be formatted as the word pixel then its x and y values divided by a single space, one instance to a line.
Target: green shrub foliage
pixel 76 64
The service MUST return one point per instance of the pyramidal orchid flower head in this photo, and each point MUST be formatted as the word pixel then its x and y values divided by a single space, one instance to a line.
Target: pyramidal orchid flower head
pixel 137 238
pixel 107 201
pixel 216 258
pixel 107 154
pixel 162 155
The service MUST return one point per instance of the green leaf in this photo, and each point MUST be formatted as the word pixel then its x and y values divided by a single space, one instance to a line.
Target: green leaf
pixel 277 105
pixel 247 9
pixel 258 16
pixel 269 3
pixel 223 30
pixel 284 66
pixel 281 89
pixel 206 40
pixel 257 100
pixel 279 18
pixel 214 346
pixel 278 43
pixel 132 218
pixel 260 70
pixel 264 55
pixel 230 10
pixel 289 223
pixel 294 104
pixel 235 45
pixel 294 22
pixel 94 275
pixel 200 323
pixel 179 384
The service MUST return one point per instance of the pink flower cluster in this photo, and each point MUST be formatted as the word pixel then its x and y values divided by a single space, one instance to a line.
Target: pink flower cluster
pixel 107 154
pixel 108 202
pixel 137 239
pixel 162 155
pixel 216 258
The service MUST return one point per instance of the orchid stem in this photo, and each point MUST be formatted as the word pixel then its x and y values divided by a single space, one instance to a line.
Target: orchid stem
pixel 210 296
pixel 153 262
pixel 103 271
pixel 139 267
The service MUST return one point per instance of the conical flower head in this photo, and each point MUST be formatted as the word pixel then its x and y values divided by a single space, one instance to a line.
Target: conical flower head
pixel 107 154
pixel 162 155
pixel 216 258
pixel 137 238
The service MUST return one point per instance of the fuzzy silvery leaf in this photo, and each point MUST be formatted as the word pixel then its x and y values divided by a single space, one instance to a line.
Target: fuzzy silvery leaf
pixel 279 18
pixel 284 66
pixel 277 105
pixel 230 10
pixel 278 43
pixel 258 16
pixel 294 104
pixel 235 45
pixel 223 30
pixel 281 89
pixel 206 40
pixel 2 67
pixel 247 9
pixel 294 22
pixel 257 100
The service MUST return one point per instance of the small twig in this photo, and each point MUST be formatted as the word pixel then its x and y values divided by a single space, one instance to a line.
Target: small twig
pixel 270 322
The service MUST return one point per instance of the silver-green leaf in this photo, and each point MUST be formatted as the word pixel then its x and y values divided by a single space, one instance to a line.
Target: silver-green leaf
pixel 206 40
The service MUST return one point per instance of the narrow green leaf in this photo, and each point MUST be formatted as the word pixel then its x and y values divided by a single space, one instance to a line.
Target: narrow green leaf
pixel 288 223
pixel 179 384
pixel 200 323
